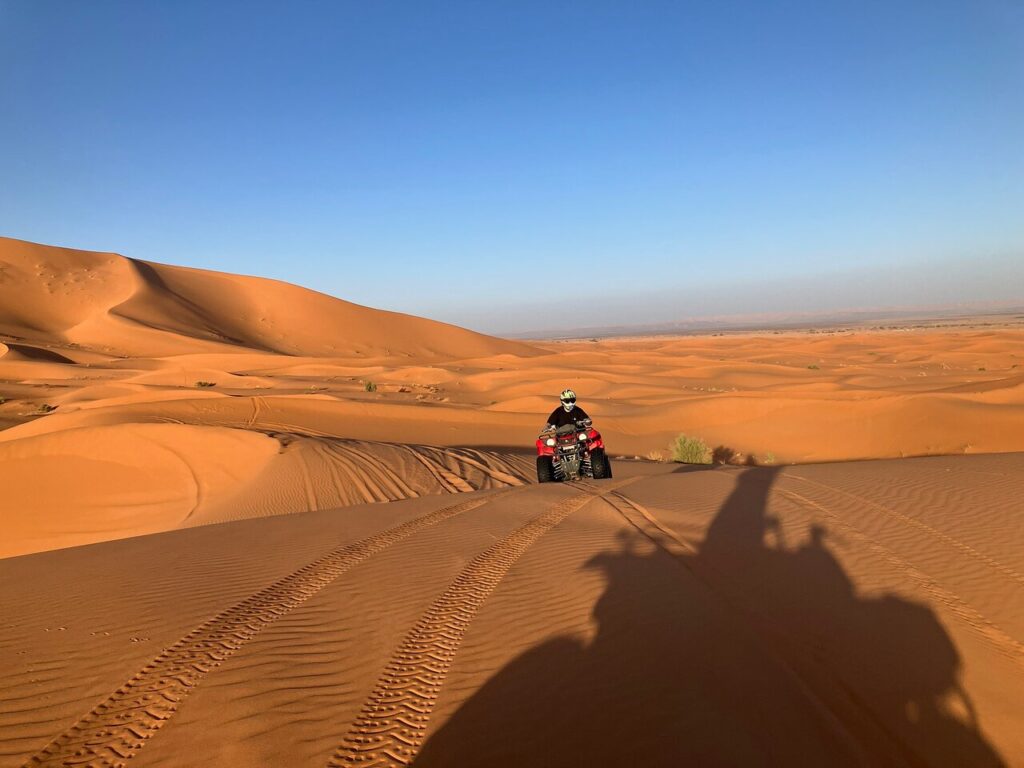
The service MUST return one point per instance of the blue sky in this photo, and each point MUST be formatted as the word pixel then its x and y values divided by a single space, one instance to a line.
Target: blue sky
pixel 464 161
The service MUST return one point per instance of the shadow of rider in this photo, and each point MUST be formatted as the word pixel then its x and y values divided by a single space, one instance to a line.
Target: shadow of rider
pixel 745 653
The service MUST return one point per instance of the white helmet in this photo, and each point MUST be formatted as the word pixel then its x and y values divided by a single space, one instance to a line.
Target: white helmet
pixel 568 398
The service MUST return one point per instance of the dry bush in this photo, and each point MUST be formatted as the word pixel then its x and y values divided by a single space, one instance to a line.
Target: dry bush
pixel 690 450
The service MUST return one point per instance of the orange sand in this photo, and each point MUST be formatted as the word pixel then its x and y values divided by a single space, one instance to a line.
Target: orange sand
pixel 846 614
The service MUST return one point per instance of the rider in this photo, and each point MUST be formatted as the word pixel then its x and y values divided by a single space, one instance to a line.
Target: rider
pixel 569 413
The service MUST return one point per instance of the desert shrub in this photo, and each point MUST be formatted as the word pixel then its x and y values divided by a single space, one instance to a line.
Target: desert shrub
pixel 2 400
pixel 47 408
pixel 814 367
pixel 370 386
pixel 769 458
pixel 690 450
pixel 206 384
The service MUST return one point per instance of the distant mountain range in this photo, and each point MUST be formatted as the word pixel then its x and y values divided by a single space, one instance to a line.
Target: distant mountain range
pixel 994 312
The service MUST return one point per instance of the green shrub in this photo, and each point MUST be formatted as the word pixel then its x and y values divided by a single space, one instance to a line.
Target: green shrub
pixel 206 384
pixel 813 367
pixel 690 450
pixel 3 400
pixel 47 408
pixel 370 386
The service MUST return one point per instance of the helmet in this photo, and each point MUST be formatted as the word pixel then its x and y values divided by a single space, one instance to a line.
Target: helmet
pixel 568 398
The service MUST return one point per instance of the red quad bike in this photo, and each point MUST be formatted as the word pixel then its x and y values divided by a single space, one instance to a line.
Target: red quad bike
pixel 570 453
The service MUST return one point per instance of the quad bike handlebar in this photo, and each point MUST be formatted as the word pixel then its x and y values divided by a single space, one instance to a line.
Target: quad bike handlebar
pixel 567 428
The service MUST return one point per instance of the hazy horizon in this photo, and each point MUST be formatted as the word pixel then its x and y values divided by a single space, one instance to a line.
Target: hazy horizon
pixel 465 162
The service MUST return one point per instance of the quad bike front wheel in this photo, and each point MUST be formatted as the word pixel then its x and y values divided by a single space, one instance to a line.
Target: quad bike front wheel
pixel 600 464
pixel 545 470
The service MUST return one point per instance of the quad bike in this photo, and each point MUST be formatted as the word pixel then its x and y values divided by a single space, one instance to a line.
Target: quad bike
pixel 570 453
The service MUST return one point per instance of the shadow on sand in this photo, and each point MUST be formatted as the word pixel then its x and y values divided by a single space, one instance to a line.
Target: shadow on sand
pixel 746 653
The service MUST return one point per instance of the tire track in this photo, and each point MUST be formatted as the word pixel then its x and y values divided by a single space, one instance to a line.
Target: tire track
pixel 665 537
pixel 952 541
pixel 998 638
pixel 445 479
pixel 806 674
pixel 257 410
pixel 390 478
pixel 119 726
pixel 392 723
pixel 464 457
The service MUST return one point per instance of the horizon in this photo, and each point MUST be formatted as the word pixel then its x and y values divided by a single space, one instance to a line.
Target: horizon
pixel 458 163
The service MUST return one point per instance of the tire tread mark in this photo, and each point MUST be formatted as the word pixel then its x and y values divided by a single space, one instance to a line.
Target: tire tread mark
pixel 967 549
pixel 1002 642
pixel 445 478
pixel 392 723
pixel 119 726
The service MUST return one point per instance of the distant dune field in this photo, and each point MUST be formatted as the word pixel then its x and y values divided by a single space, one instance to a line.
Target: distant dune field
pixel 179 396
pixel 248 524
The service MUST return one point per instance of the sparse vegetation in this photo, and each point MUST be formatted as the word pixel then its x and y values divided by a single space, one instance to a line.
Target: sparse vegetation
pixel 981 369
pixel 47 408
pixel 206 384
pixel 2 400
pixel 690 450
pixel 814 367
pixel 370 386
pixel 769 458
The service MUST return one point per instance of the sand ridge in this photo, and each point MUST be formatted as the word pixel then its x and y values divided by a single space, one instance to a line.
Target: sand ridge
pixel 253 523
pixel 103 358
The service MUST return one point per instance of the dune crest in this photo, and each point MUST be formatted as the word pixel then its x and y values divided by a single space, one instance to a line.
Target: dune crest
pixel 81 486
pixel 129 307
pixel 122 377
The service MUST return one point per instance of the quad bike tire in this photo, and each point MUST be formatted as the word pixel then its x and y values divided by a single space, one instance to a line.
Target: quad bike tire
pixel 600 464
pixel 545 470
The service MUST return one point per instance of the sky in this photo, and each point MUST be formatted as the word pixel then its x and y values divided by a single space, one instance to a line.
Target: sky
pixel 519 166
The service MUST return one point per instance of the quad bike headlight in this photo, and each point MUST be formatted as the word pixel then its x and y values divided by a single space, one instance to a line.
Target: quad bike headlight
pixel 549 441
pixel 582 435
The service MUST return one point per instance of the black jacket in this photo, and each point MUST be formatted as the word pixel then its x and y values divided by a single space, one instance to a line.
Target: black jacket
pixel 560 417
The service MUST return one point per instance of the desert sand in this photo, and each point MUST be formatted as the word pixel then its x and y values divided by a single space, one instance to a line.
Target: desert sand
pixel 201 567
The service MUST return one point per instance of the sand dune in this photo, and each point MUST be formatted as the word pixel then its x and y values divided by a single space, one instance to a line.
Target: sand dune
pixel 800 615
pixel 83 485
pixel 195 467
pixel 101 353
pixel 125 306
